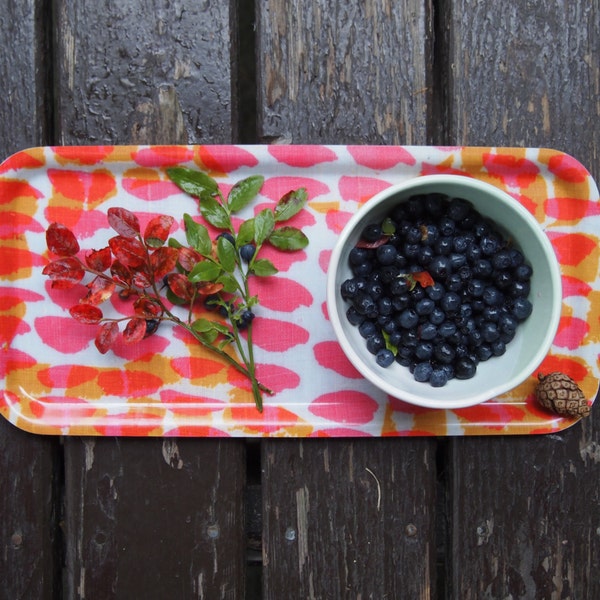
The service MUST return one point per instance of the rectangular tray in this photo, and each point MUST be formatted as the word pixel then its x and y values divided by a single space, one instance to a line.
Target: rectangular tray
pixel 55 382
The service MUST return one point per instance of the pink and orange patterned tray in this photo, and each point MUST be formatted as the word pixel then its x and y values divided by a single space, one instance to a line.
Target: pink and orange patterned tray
pixel 55 382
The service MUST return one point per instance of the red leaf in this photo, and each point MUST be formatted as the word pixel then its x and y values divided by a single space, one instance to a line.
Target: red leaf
pixel 61 240
pixel 424 278
pixel 157 230
pixel 142 280
pixel 189 258
pixel 163 261
pixel 147 308
pixel 382 240
pixel 106 336
pixel 128 251
pixel 207 288
pixel 99 290
pixel 99 260
pixel 121 273
pixel 65 273
pixel 86 313
pixel 124 222
pixel 181 286
pixel 135 330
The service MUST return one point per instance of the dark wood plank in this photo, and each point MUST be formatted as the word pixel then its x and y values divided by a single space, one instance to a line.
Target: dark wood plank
pixel 29 465
pixel 150 518
pixel 346 518
pixel 525 510
pixel 346 72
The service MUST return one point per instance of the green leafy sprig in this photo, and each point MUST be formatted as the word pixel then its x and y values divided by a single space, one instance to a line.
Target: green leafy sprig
pixel 229 261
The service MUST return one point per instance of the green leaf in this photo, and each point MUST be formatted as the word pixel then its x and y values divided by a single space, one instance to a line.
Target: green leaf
pixel 263 267
pixel 215 213
pixel 226 253
pixel 288 238
pixel 290 204
pixel 245 233
pixel 243 192
pixel 230 284
pixel 264 222
pixel 205 270
pixel 197 236
pixel 193 182
pixel 203 325
pixel 388 343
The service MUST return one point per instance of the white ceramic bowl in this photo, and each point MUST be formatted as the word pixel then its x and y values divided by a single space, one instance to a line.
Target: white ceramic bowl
pixel 534 336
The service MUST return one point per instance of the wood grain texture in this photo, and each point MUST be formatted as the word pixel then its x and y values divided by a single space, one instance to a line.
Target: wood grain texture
pixel 152 72
pixel 154 519
pixel 525 511
pixel 343 72
pixel 29 465
pixel 348 519
pixel 149 518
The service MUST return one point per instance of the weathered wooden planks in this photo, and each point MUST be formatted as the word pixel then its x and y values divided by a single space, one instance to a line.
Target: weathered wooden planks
pixel 346 518
pixel 345 72
pixel 525 511
pixel 29 465
pixel 149 518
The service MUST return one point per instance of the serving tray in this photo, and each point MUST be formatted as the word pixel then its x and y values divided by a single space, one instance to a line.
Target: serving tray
pixel 55 382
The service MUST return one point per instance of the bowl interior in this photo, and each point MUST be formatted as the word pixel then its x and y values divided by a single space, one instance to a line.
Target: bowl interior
pixel 534 336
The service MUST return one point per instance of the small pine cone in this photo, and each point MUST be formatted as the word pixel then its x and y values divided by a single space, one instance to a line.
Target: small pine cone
pixel 560 394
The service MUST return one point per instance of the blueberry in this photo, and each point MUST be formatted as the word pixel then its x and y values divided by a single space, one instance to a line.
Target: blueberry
pixel 522 308
pixel 423 350
pixel 476 288
pixel 247 252
pixel 501 260
pixel 358 256
pixel 444 245
pixel 489 331
pixel 375 343
pixel 438 378
pixel 384 358
pixel 363 269
pixel 482 268
pixel 384 306
pixel 422 371
pixel 458 209
pixel 349 289
pixel 386 254
pixel 364 304
pixel 437 316
pixel 367 329
pixel 498 347
pixel 428 331
pixel 523 272
pixel 440 266
pixel 371 233
pixel 464 368
pixel 354 317
pixel 413 235
pixel 151 326
pixel 245 319
pixel 424 306
pixel 489 244
pixel 461 243
pixel 450 303
pixel 435 291
pixel 492 296
pixel 446 226
pixel 444 352
pixel 519 289
pixel 408 318
pixel 446 329
pixel 484 352
pixel 227 236
pixel 399 286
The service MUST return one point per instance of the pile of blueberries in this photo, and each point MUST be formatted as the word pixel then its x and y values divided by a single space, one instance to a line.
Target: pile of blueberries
pixel 436 288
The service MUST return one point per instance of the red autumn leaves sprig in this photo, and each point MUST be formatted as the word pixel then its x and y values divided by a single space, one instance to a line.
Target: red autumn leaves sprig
pixel 159 273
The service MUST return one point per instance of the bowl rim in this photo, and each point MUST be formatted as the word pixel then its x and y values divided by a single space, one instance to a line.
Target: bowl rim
pixel 414 184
